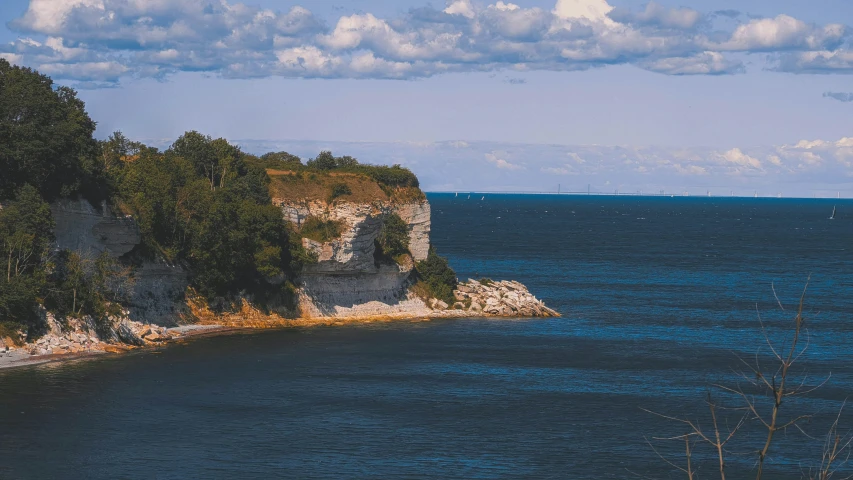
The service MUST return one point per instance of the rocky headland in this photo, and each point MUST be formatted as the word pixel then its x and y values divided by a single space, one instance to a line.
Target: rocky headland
pixel 347 282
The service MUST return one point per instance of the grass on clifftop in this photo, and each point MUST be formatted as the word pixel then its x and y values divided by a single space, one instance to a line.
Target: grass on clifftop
pixel 330 186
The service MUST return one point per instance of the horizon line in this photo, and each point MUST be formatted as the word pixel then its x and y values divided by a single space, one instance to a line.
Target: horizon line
pixel 631 194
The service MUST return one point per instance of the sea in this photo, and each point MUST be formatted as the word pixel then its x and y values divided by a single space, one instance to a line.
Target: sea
pixel 668 304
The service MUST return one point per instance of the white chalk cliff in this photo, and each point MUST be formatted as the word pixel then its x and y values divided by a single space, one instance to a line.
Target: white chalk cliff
pixel 345 282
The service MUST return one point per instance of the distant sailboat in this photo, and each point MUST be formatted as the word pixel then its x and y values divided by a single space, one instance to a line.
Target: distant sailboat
pixel 457 194
pixel 469 197
pixel 483 198
pixel 832 217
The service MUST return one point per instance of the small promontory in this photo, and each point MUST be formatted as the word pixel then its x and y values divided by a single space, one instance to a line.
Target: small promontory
pixel 112 244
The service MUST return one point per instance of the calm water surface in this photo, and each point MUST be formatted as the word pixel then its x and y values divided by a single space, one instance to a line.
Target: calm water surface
pixel 658 296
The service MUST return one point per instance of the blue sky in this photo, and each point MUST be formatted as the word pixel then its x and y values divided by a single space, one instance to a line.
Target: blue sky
pixel 632 95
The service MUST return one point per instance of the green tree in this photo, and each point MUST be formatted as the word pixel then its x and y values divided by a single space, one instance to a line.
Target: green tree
pixel 199 151
pixel 46 138
pixel 393 239
pixel 280 160
pixel 229 160
pixel 26 231
pixel 437 275
pixel 324 161
pixel 118 149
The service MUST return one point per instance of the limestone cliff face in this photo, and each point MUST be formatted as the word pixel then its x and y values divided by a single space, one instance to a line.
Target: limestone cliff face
pixel 158 293
pixel 158 287
pixel 346 279
pixel 84 228
pixel 346 282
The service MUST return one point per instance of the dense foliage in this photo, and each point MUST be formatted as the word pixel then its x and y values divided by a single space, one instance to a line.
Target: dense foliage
pixel 393 176
pixel 277 161
pixel 26 232
pixel 199 203
pixel 436 277
pixel 393 239
pixel 46 138
pixel 84 285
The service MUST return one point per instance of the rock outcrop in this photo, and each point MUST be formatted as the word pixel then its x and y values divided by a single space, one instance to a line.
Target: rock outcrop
pixel 346 280
pixel 158 293
pixel 503 298
pixel 82 227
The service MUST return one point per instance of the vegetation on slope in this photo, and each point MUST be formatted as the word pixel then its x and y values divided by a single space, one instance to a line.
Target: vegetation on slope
pixel 46 138
pixel 392 243
pixel 202 203
pixel 435 278
pixel 327 178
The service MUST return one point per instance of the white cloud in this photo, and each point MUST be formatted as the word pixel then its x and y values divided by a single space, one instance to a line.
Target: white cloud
pixel 500 162
pixel 595 10
pixel 706 63
pixel 737 157
pixel 650 169
pixel 657 15
pixel 821 61
pixel 13 58
pixel 577 158
pixel 558 171
pixel 153 38
pixel 460 7
pixel 782 32
pixel 690 169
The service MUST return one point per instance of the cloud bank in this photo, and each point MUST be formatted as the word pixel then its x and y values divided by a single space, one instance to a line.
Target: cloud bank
pixel 98 43
pixel 840 96
pixel 807 168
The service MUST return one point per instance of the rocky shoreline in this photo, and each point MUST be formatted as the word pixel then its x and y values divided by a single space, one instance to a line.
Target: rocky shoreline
pixel 475 299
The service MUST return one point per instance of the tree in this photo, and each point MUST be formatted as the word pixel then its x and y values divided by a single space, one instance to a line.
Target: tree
pixel 280 160
pixel 229 161
pixel 26 231
pixel 435 273
pixel 393 239
pixel 754 409
pixel 46 138
pixel 118 149
pixel 198 149
pixel 324 161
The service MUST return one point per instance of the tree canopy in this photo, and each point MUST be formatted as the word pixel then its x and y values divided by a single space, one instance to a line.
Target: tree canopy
pixel 46 138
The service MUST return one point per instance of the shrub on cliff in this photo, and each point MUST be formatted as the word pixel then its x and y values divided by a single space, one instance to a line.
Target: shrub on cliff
pixel 436 278
pixel 393 239
pixel 320 230
pixel 338 189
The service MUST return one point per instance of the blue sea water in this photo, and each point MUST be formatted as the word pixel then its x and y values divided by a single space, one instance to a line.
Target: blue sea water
pixel 659 297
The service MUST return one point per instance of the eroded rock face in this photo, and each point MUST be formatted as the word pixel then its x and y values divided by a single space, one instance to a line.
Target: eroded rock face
pixel 83 228
pixel 346 280
pixel 158 293
pixel 353 251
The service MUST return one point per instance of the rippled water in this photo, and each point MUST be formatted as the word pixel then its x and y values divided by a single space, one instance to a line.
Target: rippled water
pixel 658 296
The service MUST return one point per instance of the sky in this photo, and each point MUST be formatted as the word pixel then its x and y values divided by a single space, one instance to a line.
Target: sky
pixel 728 97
